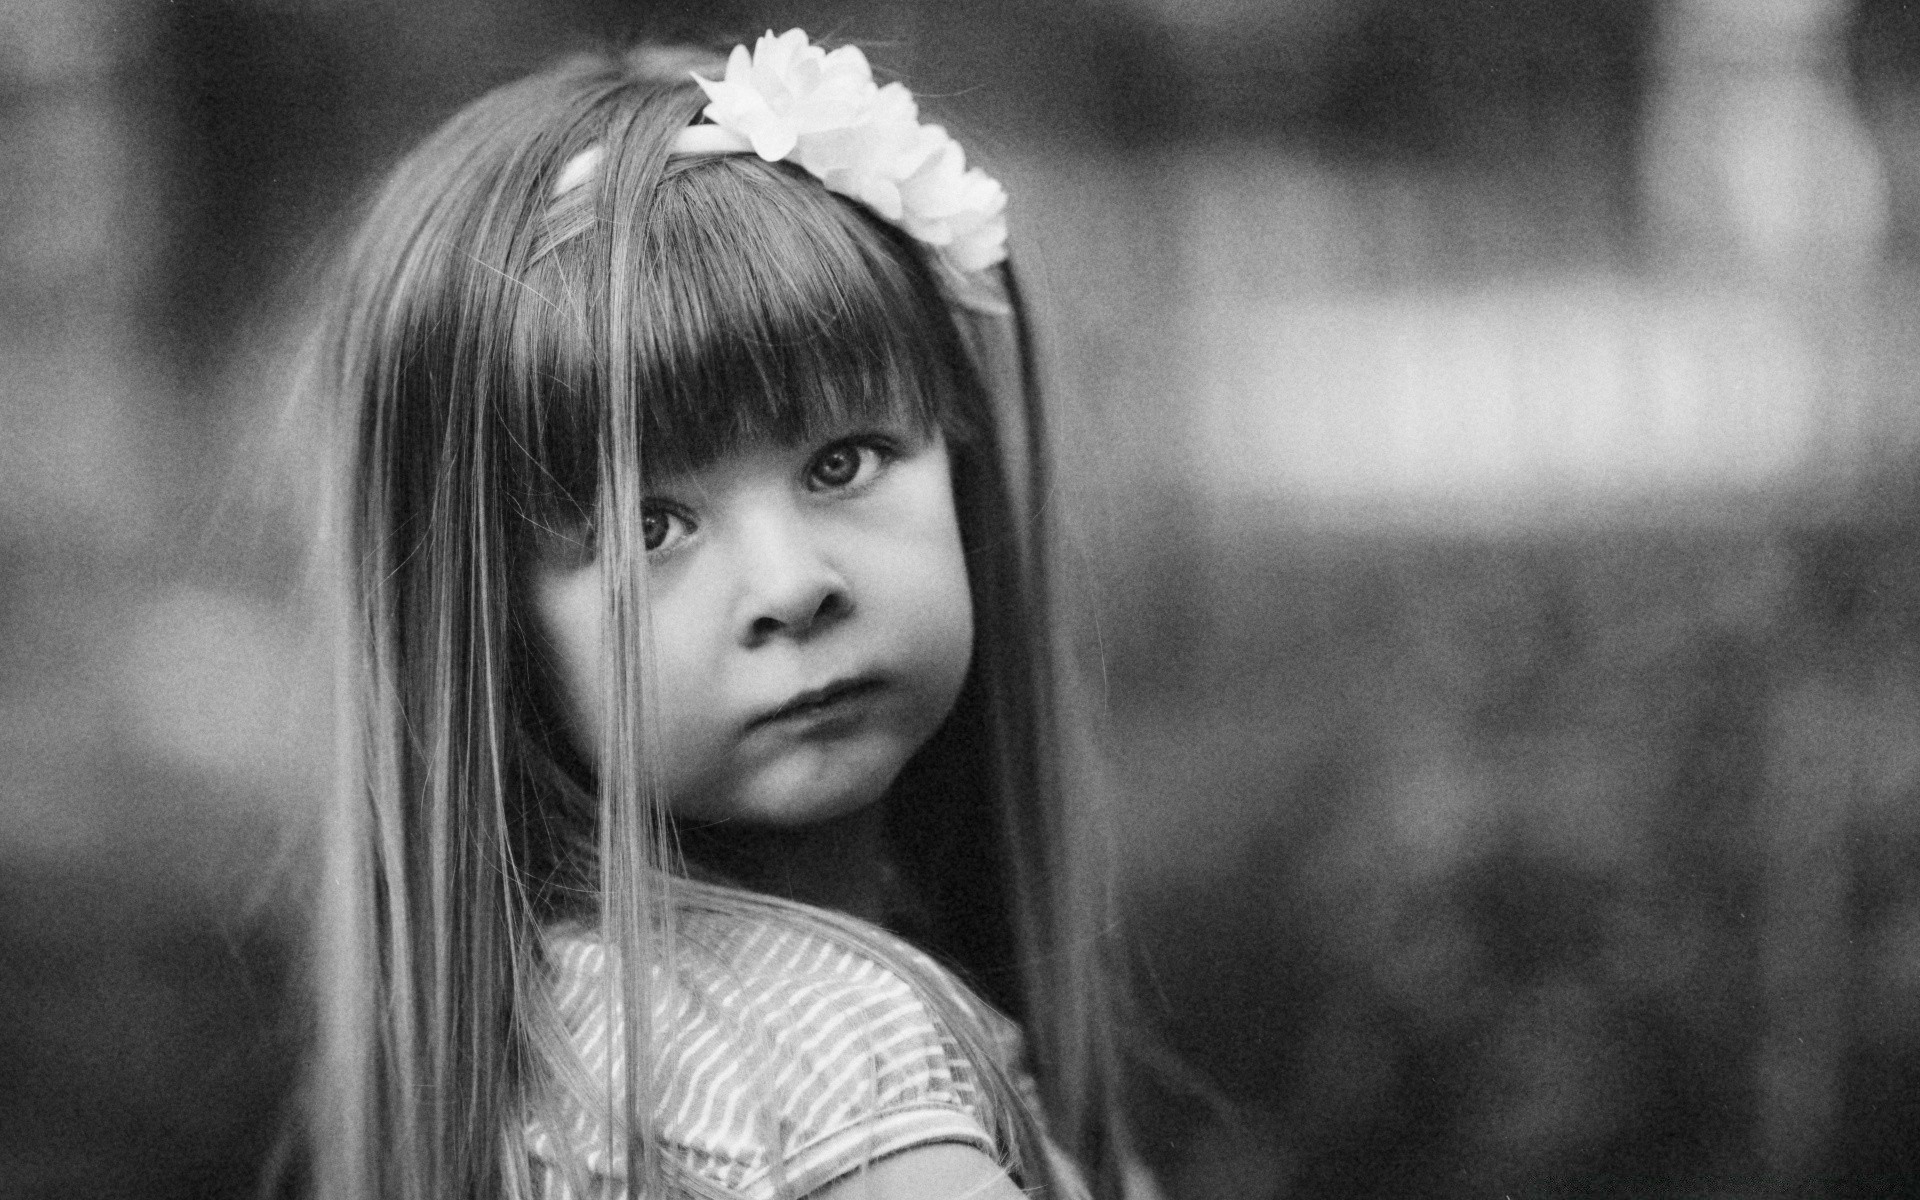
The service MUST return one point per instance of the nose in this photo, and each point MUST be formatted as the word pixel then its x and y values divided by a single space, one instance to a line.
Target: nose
pixel 790 587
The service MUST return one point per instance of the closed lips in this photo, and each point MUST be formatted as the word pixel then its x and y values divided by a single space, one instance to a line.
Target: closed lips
pixel 815 699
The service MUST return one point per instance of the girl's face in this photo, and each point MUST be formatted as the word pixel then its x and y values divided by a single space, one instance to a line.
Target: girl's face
pixel 811 623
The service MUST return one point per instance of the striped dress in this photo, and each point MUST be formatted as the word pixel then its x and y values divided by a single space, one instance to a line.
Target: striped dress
pixel 791 1061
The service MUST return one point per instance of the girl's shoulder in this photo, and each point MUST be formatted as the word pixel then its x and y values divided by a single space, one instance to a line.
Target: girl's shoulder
pixel 752 958
pixel 787 1053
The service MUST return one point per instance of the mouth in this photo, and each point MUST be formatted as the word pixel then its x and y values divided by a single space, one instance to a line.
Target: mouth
pixel 820 701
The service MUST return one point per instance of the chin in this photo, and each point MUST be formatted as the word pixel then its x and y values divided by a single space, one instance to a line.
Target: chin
pixel 808 793
pixel 791 811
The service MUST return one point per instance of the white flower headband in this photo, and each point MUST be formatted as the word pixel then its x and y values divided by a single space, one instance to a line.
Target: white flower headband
pixel 821 110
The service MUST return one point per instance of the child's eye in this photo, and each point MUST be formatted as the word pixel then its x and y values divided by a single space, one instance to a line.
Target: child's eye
pixel 845 465
pixel 662 527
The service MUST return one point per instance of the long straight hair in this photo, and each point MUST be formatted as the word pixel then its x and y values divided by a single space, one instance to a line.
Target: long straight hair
pixel 508 357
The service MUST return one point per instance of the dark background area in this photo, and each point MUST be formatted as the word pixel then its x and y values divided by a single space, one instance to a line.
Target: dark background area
pixel 1489 450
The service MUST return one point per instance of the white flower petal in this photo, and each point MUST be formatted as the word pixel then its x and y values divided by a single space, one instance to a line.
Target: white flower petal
pixel 980 249
pixel 790 99
pixel 772 137
pixel 849 59
pixel 740 67
pixel 882 196
pixel 895 103
pixel 779 52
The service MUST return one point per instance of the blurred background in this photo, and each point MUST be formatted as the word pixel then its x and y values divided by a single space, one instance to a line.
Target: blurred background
pixel 1492 460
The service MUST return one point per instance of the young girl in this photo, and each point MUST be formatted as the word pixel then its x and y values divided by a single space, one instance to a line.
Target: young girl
pixel 706 800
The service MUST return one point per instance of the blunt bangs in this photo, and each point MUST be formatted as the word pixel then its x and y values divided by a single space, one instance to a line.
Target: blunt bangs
pixel 766 308
pixel 777 310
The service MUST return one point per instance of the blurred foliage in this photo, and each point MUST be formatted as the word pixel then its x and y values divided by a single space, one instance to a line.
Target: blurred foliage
pixel 1496 859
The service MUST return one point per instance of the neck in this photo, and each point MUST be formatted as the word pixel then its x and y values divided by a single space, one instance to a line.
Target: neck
pixel 841 863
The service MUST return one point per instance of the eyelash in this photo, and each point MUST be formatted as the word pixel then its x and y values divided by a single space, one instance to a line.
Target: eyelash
pixel 884 449
pixel 653 511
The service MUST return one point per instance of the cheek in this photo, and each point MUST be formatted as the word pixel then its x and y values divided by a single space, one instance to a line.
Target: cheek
pixel 583 692
pixel 687 660
pixel 942 600
pixel 568 609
